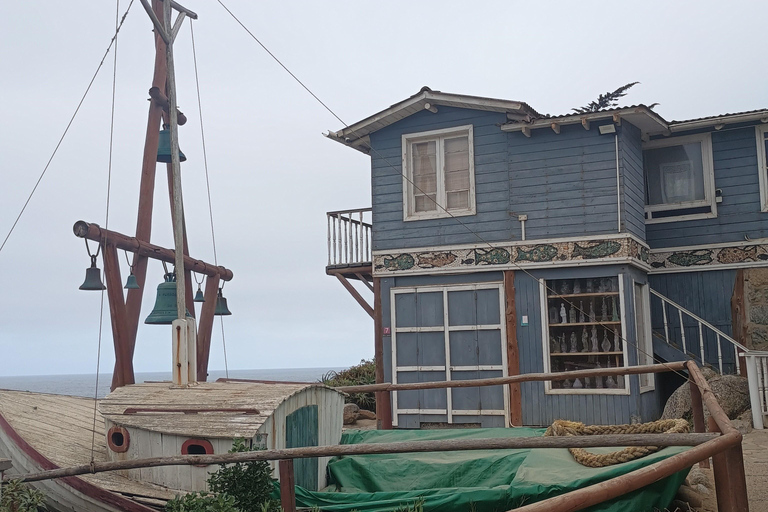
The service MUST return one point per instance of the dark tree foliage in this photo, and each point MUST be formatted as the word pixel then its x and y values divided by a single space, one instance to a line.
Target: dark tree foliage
pixel 607 100
pixel 250 483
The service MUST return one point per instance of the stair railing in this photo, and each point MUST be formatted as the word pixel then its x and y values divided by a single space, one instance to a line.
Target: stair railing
pixel 702 325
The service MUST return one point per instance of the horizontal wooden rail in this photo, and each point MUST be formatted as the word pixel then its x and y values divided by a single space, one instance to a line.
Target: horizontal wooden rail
pixel 94 232
pixel 383 448
pixel 526 377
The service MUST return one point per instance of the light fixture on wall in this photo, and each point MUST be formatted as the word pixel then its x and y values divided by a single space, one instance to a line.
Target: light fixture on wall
pixel 607 129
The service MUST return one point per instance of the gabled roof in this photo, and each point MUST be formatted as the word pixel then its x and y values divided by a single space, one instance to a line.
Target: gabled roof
pixel 521 117
pixel 357 134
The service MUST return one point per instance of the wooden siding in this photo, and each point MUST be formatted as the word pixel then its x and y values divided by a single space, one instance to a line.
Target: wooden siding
pixel 706 294
pixel 734 155
pixel 632 180
pixel 492 221
pixel 565 183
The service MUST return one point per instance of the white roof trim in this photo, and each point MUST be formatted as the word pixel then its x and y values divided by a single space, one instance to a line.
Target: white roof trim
pixel 746 117
pixel 627 113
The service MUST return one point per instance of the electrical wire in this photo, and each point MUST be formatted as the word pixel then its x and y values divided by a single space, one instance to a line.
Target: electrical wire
pixel 118 23
pixel 208 186
pixel 66 130
pixel 448 213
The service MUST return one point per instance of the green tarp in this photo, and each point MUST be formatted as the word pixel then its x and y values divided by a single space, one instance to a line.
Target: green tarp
pixel 478 481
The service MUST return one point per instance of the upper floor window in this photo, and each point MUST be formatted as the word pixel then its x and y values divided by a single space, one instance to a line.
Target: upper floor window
pixel 679 179
pixel 439 174
pixel 762 164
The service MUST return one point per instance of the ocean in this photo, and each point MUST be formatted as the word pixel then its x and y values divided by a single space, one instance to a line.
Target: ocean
pixel 85 384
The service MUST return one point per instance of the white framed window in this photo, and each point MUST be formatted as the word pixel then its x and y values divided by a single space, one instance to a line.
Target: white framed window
pixel 583 328
pixel 761 134
pixel 438 174
pixel 679 179
pixel 644 338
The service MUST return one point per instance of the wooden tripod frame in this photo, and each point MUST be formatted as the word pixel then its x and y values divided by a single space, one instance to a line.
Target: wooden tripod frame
pixel 124 312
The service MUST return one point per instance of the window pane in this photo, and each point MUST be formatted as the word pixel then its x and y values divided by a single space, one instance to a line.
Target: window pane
pixel 424 159
pixel 425 203
pixel 458 200
pixel 674 174
pixel 457 181
pixel 457 154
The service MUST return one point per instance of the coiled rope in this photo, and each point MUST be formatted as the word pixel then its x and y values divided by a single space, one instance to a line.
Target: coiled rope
pixel 594 460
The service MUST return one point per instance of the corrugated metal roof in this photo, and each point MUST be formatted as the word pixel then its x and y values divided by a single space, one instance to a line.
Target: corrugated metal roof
pixel 721 117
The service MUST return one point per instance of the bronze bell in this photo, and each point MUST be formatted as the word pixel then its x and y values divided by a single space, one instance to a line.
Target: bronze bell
pixel 164 147
pixel 165 312
pixel 93 277
pixel 131 283
pixel 221 306
pixel 199 297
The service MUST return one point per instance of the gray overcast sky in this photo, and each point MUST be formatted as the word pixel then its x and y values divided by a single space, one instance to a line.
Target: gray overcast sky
pixel 273 175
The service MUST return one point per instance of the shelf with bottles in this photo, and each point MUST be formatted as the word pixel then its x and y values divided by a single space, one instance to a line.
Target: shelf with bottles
pixel 601 361
pixel 575 354
pixel 587 341
pixel 598 301
pixel 584 324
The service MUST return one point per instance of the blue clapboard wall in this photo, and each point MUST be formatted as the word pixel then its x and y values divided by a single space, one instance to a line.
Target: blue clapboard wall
pixel 565 183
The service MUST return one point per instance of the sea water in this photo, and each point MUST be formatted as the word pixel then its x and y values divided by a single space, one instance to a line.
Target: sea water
pixel 85 385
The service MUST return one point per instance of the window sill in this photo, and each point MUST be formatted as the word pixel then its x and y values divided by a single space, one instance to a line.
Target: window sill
pixel 439 215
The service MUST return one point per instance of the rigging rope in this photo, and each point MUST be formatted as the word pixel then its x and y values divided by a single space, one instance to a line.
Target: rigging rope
pixel 207 185
pixel 388 163
pixel 106 218
pixel 594 460
pixel 69 124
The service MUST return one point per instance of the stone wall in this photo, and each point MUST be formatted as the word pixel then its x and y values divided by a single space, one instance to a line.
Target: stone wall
pixel 756 308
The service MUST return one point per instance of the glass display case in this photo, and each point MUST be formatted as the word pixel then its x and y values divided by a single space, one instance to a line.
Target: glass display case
pixel 584 330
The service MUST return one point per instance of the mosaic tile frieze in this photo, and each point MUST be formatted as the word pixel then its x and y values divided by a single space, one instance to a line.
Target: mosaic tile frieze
pixel 706 257
pixel 512 255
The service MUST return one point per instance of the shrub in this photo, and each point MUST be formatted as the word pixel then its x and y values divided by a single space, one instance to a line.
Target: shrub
pixel 363 373
pixel 17 497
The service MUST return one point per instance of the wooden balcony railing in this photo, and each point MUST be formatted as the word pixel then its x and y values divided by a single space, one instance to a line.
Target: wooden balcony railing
pixel 349 237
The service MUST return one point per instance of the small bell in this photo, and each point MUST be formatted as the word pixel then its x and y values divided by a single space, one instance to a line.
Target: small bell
pixel 199 297
pixel 221 305
pixel 164 312
pixel 164 147
pixel 131 283
pixel 93 277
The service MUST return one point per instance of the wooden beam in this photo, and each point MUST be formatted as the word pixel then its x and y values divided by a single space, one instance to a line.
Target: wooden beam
pixel 698 414
pixel 189 295
pixel 524 377
pixel 526 131
pixel 146 190
pixel 585 123
pixel 123 356
pixel 92 231
pixel 383 398
pixel 617 119
pixel 160 98
pixel 365 281
pixel 707 442
pixel 555 128
pixel 359 298
pixel 739 316
pixel 205 327
pixel 287 486
pixel 513 352
pixel 430 107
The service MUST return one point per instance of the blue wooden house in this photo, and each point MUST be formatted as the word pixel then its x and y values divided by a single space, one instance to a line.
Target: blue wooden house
pixel 504 241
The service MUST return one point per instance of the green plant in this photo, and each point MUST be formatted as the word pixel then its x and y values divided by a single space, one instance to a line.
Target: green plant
pixel 363 373
pixel 17 497
pixel 202 502
pixel 607 100
pixel 249 483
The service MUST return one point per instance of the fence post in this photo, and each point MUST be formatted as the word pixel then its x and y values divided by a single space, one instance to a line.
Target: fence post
pixel 755 400
pixel 698 414
pixel 287 486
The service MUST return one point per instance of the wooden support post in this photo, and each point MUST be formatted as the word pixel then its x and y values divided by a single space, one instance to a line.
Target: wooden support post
pixel 359 298
pixel 146 191
pixel 513 353
pixel 205 327
pixel 188 291
pixel 383 401
pixel 123 357
pixel 730 481
pixel 739 316
pixel 287 486
pixel 698 415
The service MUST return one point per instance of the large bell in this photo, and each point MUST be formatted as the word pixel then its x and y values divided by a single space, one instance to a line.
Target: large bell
pixel 131 283
pixel 93 277
pixel 165 312
pixel 164 148
pixel 199 297
pixel 221 306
